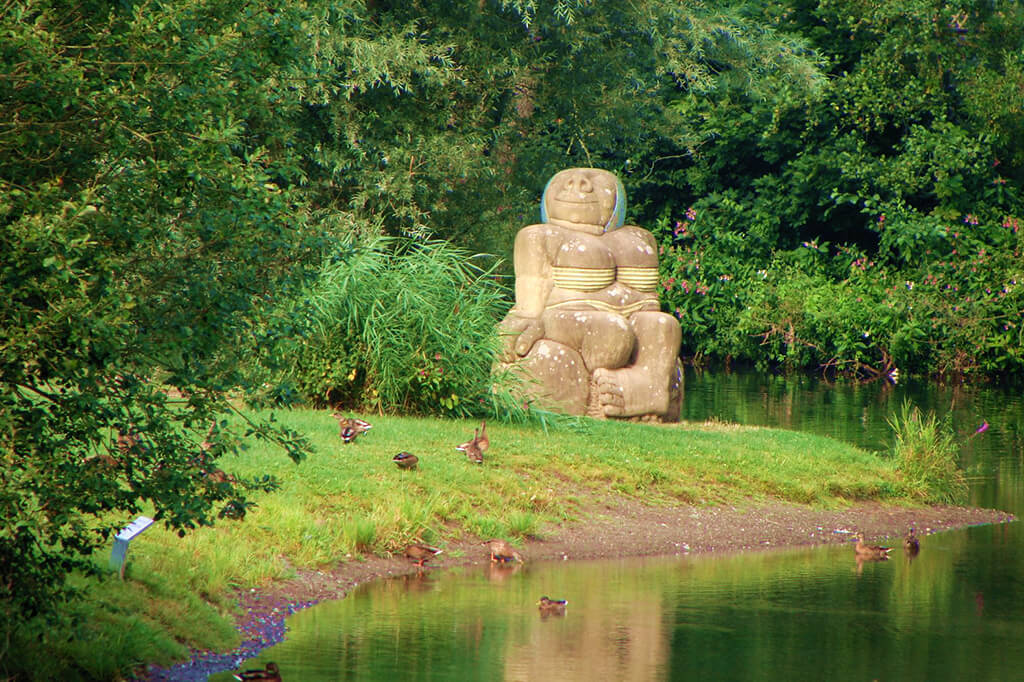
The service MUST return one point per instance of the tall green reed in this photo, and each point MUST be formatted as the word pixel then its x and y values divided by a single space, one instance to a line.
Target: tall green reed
pixel 926 451
pixel 398 325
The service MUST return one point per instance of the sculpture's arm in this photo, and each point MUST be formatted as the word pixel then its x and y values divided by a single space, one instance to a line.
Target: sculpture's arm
pixel 532 259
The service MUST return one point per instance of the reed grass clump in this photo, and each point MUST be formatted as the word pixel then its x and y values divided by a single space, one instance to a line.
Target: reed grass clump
pixel 926 452
pixel 398 324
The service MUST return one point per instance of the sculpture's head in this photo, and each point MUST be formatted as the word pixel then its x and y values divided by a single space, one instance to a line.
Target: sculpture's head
pixel 584 198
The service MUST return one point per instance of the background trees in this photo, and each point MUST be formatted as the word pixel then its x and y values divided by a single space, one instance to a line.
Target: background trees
pixel 874 225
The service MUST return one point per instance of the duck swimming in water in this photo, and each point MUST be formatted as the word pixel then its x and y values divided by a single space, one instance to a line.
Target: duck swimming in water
pixel 870 551
pixel 911 543
pixel 271 673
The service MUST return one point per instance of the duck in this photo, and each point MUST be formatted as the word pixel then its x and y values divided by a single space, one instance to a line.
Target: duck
pixel 552 606
pixel 482 441
pixel 351 427
pixel 271 673
pixel 405 460
pixel 911 543
pixel 870 551
pixel 420 553
pixel 472 449
pixel 502 551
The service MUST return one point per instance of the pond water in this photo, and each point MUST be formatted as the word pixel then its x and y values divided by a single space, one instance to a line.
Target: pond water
pixel 954 612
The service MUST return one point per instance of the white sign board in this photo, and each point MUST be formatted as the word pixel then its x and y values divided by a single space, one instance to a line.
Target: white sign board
pixel 121 540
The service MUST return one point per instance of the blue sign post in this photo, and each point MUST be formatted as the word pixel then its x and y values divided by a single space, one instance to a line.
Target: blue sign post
pixel 121 540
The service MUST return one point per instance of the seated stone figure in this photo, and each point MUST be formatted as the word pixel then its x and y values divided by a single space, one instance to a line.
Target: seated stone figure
pixel 586 322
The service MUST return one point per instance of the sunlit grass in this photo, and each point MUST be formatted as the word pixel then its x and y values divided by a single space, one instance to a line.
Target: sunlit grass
pixel 346 501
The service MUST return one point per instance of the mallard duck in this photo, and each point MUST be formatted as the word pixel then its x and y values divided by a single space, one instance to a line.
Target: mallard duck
pixel 269 674
pixel 551 606
pixel 472 449
pixel 420 553
pixel 870 551
pixel 351 427
pixel 502 551
pixel 405 460
pixel 482 441
pixel 910 543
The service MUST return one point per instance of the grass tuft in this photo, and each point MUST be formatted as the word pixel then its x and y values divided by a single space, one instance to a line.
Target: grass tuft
pixel 926 451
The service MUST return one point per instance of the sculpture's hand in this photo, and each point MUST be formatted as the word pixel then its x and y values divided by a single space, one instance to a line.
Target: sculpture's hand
pixel 520 334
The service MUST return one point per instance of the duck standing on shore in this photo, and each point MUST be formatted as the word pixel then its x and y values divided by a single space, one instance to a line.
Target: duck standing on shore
pixel 866 551
pixel 502 551
pixel 351 427
pixel 420 553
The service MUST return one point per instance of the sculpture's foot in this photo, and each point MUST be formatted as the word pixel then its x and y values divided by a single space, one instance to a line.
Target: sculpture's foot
pixel 628 392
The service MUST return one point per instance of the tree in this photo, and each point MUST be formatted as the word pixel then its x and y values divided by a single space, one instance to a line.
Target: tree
pixel 145 215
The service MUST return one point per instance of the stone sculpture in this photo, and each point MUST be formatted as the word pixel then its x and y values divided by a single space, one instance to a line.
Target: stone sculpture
pixel 586 324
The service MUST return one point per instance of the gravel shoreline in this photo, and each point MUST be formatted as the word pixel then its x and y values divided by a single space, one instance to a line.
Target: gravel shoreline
pixel 614 528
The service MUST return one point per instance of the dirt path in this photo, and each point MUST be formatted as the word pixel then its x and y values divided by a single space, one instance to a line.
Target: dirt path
pixel 616 528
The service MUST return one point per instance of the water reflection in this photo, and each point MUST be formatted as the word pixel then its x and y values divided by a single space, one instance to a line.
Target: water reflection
pixel 953 610
pixel 821 613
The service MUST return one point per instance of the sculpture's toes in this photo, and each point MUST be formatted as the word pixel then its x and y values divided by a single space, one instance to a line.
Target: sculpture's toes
pixel 611 399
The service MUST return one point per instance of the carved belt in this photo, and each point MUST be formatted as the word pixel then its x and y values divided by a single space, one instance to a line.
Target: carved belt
pixel 641 279
pixel 582 279
pixel 595 279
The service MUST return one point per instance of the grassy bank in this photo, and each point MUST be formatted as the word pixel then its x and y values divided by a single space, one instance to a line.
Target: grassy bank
pixel 350 500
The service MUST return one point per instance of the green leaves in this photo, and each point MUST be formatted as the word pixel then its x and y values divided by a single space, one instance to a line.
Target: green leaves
pixel 137 235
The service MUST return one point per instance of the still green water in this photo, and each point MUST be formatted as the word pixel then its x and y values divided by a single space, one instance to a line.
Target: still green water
pixel 955 612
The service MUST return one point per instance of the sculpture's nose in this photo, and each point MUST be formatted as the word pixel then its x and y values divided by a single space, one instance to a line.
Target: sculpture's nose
pixel 580 183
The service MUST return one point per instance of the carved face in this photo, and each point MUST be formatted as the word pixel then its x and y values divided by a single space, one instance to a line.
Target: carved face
pixel 583 196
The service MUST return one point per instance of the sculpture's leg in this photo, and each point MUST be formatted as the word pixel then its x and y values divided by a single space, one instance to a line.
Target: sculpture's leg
pixel 645 386
pixel 555 376
pixel 604 339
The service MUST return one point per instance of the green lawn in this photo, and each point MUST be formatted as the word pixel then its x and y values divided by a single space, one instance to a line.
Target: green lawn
pixel 347 500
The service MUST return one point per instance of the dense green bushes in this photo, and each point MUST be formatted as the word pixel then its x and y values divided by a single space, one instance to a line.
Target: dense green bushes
pixel 872 225
pixel 836 309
